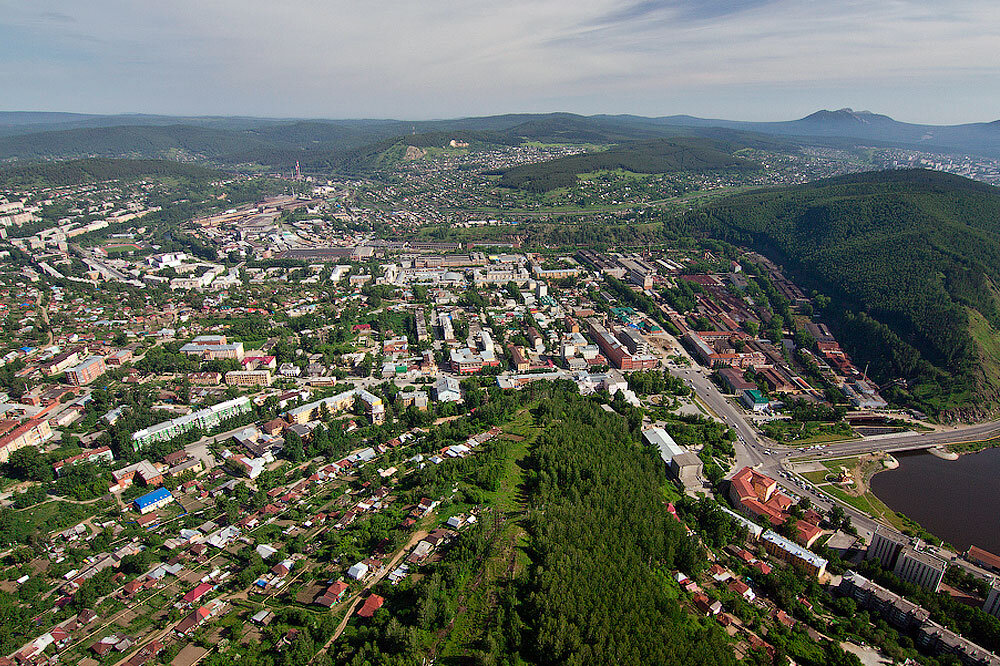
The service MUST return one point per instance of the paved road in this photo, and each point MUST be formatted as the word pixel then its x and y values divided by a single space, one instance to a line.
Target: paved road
pixel 754 450
pixel 909 442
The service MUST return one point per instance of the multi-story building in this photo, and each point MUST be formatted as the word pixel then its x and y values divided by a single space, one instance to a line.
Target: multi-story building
pixel 518 359
pixel 87 371
pixel 395 346
pixel 258 362
pixel 992 605
pixel 213 351
pixel 447 389
pixel 907 558
pixel 885 547
pixel 793 553
pixel 757 495
pixel 205 419
pixel 338 403
pixel 119 357
pixel 144 470
pixel 60 362
pixel 417 399
pixel 908 616
pixel 249 378
pixel 615 352
pixel 31 433
pixel 153 501
pixel 920 568
pixel 102 454
pixel 634 342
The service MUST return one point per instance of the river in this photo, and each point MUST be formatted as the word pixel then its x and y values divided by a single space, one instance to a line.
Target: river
pixel 956 500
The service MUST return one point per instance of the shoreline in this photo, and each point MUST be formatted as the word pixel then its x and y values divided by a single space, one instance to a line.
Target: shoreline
pixel 909 524
pixel 959 451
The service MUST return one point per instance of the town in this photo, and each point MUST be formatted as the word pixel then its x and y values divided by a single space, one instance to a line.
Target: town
pixel 260 427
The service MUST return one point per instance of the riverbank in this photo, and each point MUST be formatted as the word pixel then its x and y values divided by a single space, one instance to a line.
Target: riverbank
pixel 849 481
pixel 954 500
pixel 975 446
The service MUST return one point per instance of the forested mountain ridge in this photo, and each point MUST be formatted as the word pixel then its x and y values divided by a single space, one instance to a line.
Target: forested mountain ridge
pixel 911 260
pixel 653 156
pixel 75 172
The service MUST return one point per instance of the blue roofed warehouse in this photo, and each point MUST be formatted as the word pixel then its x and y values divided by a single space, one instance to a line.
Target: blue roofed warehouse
pixel 153 500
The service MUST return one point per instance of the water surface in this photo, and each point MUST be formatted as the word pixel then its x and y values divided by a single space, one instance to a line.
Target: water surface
pixel 958 501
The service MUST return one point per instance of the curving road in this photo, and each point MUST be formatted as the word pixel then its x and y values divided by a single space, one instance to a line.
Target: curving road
pixel 753 450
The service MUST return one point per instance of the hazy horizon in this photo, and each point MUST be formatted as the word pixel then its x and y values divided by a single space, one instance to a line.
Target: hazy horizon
pixel 484 115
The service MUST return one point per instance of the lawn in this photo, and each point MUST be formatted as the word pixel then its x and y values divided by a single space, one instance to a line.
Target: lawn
pixel 815 477
pixel 55 515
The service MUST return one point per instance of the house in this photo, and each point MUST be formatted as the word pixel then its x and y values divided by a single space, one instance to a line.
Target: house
pixel 262 617
pixel 707 606
pixel 145 654
pixel 358 571
pixel 333 594
pixel 109 643
pixel 197 593
pixel 282 568
pixel 742 589
pixel 191 622
pixel 372 604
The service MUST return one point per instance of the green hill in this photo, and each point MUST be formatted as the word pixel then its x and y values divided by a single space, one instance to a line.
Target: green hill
pixel 654 156
pixel 911 260
pixel 389 152
pixel 74 172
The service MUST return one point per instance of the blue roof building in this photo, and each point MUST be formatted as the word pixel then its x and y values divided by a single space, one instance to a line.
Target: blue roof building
pixel 153 500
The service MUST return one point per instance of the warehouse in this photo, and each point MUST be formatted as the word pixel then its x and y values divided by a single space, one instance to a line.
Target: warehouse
pixel 153 501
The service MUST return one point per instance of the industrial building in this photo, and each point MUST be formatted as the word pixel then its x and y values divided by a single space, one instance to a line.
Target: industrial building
pixel 684 465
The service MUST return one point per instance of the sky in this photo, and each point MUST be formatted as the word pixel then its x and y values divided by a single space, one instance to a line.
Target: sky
pixel 929 61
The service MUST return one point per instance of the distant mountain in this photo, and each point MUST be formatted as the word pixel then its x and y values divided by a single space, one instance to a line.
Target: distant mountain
pixel 279 143
pixel 974 138
pixel 911 262
pixel 39 118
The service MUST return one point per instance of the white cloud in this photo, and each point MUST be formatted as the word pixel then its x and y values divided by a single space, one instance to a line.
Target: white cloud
pixel 342 58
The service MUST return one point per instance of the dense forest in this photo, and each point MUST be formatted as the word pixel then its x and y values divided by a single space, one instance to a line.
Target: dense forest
pixel 590 584
pixel 910 260
pixel 602 542
pixel 75 172
pixel 654 156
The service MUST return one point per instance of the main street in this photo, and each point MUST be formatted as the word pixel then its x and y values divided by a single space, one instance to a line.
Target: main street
pixel 770 458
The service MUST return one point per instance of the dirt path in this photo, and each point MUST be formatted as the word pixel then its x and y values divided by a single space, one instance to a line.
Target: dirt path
pixel 495 532
pixel 356 599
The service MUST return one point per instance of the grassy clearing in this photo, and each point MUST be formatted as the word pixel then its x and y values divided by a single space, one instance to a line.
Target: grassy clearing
pixel 837 463
pixel 507 556
pixel 815 477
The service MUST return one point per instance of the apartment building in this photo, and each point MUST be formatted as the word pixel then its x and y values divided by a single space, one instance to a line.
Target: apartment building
pixel 249 378
pixel 907 558
pixel 206 419
pixel 87 371
pixel 31 433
